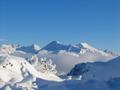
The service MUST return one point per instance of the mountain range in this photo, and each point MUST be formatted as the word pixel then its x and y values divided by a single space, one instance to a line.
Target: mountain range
pixel 32 67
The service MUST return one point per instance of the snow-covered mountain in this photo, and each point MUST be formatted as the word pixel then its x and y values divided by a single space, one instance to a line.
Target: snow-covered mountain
pixel 81 48
pixel 32 68
pixel 66 56
pixel 17 72
pixel 97 70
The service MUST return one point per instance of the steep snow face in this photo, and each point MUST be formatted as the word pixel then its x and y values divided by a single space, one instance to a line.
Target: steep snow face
pixel 17 74
pixel 18 70
pixel 30 49
pixel 98 70
pixel 89 48
pixel 66 56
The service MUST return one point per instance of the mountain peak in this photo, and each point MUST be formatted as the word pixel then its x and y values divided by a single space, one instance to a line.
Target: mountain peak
pixel 35 46
pixel 56 46
pixel 83 45
pixel 53 46
pixel 55 42
pixel 86 45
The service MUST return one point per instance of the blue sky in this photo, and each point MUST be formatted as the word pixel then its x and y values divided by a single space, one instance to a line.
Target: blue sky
pixel 68 21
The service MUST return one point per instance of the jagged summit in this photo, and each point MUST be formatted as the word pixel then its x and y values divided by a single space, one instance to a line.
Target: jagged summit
pixel 56 46
pixel 35 46
pixel 55 42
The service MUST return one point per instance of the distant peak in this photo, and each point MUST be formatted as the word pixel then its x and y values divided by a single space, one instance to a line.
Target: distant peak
pixel 85 44
pixel 82 45
pixel 35 46
pixel 56 46
pixel 55 42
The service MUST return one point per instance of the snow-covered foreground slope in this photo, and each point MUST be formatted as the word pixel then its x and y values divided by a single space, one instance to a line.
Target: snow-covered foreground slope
pixel 66 56
pixel 16 71
pixel 95 76
pixel 97 70
pixel 113 84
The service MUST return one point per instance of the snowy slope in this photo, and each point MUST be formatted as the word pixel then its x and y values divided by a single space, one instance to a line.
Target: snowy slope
pixel 16 73
pixel 97 70
pixel 74 85
pixel 67 85
pixel 16 70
